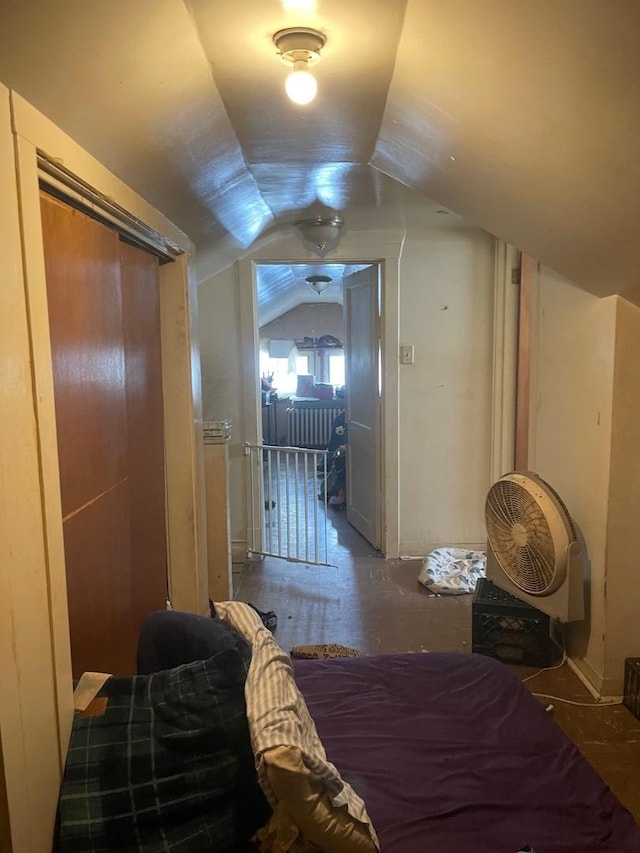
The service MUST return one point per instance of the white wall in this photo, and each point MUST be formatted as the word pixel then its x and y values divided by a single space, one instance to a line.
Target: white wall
pixel 221 365
pixel 446 313
pixel 445 431
pixel 584 441
pixel 622 625
pixel 311 318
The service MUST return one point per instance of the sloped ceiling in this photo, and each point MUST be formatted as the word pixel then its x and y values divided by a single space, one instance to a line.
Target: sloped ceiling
pixel 281 287
pixel 520 116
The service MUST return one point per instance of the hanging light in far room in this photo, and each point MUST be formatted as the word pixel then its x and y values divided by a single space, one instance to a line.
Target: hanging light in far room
pixel 300 47
pixel 319 283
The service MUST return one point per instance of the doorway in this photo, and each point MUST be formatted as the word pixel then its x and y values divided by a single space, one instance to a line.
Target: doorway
pixel 303 354
pixel 357 248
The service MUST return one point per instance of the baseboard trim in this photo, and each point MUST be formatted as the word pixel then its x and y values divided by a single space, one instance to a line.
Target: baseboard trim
pixel 416 551
pixel 239 551
pixel 596 684
pixel 592 681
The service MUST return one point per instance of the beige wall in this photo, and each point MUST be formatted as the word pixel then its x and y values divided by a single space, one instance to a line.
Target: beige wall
pixel 221 365
pixel 444 416
pixel 622 624
pixel 572 366
pixel 446 313
pixel 584 441
pixel 312 319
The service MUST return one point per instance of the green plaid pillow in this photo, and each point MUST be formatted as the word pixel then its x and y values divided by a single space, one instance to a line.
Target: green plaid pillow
pixel 168 767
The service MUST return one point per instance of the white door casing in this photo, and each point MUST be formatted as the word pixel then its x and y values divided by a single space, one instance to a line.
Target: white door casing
pixel 370 246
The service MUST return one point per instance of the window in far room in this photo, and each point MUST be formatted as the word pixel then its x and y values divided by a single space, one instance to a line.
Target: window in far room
pixel 285 371
pixel 336 369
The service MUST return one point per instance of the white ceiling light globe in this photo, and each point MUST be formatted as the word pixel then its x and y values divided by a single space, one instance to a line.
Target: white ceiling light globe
pixel 301 87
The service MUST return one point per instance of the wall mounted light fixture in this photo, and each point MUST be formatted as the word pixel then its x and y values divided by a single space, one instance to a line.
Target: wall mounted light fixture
pixel 320 234
pixel 319 283
pixel 300 47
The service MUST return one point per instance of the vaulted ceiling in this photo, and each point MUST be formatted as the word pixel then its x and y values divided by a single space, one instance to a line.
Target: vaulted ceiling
pixel 519 116
pixel 281 287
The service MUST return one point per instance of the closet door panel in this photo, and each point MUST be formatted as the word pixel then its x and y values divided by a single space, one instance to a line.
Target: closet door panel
pixel 104 316
pixel 96 542
pixel 82 264
pixel 145 435
pixel 85 315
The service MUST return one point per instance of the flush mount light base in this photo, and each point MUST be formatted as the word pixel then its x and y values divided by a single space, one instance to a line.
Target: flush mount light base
pixel 300 47
pixel 321 233
pixel 299 43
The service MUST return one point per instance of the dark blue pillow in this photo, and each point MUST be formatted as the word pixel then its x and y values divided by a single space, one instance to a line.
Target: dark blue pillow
pixel 169 638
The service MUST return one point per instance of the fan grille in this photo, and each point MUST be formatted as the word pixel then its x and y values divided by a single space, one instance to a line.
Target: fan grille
pixel 520 537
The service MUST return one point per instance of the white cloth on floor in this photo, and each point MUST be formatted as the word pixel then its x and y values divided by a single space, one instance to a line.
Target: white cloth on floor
pixel 452 571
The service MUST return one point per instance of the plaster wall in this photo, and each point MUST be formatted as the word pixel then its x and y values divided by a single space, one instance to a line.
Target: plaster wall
pixel 622 589
pixel 446 314
pixel 312 319
pixel 221 366
pixel 571 428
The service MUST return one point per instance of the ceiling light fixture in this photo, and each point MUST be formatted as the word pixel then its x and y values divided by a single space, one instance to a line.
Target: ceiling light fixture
pixel 319 283
pixel 320 234
pixel 300 47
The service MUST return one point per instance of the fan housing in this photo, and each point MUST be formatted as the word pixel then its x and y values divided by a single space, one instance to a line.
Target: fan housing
pixel 533 548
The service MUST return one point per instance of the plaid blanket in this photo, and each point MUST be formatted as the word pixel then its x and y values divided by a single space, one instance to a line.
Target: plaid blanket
pixel 168 767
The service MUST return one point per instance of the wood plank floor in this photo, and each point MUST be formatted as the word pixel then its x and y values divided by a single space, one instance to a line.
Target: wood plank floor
pixel 378 607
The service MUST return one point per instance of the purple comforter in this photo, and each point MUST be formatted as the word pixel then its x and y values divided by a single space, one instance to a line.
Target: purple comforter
pixel 452 754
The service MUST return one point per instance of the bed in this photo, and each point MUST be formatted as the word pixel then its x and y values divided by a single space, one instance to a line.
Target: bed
pixel 449 753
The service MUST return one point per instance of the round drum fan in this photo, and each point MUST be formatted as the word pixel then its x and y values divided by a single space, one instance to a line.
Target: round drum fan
pixel 532 543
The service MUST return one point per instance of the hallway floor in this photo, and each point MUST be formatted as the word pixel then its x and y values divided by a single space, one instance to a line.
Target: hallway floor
pixel 377 606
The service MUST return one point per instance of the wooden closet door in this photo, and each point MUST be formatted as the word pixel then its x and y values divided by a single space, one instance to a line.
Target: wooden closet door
pixel 145 435
pixel 98 372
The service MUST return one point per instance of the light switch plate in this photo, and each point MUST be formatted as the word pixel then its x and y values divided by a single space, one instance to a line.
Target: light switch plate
pixel 406 354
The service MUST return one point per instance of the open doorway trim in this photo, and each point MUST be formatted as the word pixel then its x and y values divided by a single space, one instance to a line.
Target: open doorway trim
pixel 370 247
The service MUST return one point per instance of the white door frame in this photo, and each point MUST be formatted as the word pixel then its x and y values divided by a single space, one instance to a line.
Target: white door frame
pixel 362 247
